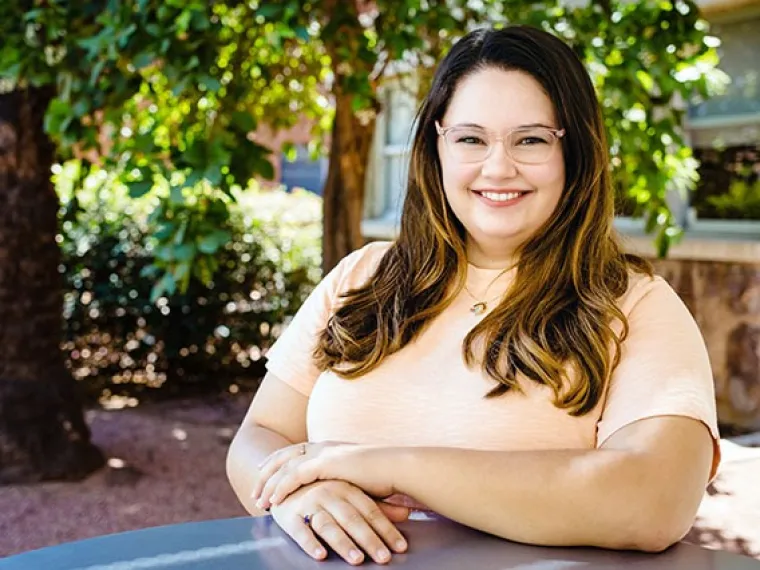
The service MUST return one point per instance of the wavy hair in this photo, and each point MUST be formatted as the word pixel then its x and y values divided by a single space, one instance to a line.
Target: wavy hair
pixel 559 316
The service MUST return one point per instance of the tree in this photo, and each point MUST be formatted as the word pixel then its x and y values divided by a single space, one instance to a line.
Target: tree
pixel 167 94
pixel 42 431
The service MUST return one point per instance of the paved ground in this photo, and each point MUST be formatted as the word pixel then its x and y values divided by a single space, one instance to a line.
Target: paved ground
pixel 173 471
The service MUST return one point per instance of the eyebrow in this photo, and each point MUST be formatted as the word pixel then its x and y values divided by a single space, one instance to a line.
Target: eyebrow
pixel 526 126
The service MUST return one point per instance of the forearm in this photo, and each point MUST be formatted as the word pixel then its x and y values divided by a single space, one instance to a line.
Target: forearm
pixel 249 447
pixel 594 497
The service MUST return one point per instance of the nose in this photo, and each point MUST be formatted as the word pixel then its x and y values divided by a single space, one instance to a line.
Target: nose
pixel 499 164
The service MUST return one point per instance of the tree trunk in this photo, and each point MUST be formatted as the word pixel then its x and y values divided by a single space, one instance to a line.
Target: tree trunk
pixel 343 193
pixel 43 434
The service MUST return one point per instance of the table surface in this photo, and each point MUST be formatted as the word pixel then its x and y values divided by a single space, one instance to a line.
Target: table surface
pixel 258 544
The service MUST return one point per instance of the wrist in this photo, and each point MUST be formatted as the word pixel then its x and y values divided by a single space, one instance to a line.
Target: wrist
pixel 391 461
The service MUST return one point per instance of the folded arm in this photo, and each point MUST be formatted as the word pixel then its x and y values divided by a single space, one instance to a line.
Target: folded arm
pixel 640 490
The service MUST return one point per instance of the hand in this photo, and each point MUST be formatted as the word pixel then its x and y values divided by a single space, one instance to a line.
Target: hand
pixel 361 465
pixel 275 460
pixel 345 518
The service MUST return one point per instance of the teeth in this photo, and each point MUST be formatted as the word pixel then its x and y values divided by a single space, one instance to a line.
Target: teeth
pixel 501 197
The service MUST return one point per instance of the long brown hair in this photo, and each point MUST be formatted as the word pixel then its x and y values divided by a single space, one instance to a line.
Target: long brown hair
pixel 561 309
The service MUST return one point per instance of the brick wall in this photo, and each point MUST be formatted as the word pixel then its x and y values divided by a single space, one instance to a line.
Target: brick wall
pixel 724 298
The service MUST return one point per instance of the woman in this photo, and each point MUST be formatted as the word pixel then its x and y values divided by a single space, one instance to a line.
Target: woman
pixel 502 363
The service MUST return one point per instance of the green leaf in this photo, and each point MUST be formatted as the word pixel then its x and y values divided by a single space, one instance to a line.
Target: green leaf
pixel 185 252
pixel 164 231
pixel 80 108
pixel 140 188
pixel 244 121
pixel 265 169
pixel 211 243
pixel 302 33
pixel 97 69
pixel 269 10
pixel 167 285
pixel 176 195
pixel 210 83
pixel 58 117
pixel 143 60
pixel 150 271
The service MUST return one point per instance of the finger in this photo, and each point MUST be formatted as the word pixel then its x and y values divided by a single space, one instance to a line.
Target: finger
pixel 326 527
pixel 264 500
pixel 272 464
pixel 290 478
pixel 378 521
pixel 395 513
pixel 303 535
pixel 352 521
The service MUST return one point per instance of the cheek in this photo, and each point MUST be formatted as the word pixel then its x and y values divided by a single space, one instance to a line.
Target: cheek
pixel 458 177
pixel 550 178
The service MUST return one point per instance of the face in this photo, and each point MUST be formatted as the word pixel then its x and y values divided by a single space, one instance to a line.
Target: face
pixel 499 201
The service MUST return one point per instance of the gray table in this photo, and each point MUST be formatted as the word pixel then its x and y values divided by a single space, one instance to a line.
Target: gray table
pixel 258 544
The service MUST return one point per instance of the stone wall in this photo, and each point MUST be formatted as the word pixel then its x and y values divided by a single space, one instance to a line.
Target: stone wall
pixel 724 298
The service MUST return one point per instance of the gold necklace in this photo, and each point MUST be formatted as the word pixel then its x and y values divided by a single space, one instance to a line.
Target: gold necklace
pixel 480 307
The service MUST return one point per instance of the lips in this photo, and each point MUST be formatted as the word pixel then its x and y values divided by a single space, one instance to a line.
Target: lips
pixel 501 196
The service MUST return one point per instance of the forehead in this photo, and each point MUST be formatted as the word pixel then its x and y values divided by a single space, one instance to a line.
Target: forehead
pixel 499 99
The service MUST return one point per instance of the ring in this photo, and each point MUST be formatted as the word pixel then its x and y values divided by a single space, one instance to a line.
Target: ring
pixel 303 449
pixel 307 519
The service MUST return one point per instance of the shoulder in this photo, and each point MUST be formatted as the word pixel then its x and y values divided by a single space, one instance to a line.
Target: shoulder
pixel 649 291
pixel 365 257
pixel 358 266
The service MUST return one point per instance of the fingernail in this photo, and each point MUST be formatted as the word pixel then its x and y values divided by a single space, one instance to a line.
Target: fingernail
pixel 383 555
pixel 400 545
pixel 320 553
pixel 355 555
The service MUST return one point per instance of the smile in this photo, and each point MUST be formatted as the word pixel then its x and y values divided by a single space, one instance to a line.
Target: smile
pixel 501 198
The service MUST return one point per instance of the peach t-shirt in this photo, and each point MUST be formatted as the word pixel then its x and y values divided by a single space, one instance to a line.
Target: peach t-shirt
pixel 425 395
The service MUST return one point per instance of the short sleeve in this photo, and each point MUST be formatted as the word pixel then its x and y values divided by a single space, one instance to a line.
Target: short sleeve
pixel 664 368
pixel 290 358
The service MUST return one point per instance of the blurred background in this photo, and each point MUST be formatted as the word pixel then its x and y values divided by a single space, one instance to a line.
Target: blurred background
pixel 176 176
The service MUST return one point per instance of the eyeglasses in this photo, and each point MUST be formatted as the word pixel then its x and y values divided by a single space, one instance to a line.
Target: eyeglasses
pixel 526 145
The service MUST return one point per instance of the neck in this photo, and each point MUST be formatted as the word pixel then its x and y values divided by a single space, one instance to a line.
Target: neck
pixel 490 258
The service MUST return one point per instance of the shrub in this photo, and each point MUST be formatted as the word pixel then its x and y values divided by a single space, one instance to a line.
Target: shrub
pixel 118 343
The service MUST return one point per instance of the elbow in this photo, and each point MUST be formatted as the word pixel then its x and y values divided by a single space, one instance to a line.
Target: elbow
pixel 232 464
pixel 230 458
pixel 658 529
pixel 651 537
pixel 658 538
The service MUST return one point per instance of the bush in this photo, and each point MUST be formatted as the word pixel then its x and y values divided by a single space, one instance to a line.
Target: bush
pixel 210 338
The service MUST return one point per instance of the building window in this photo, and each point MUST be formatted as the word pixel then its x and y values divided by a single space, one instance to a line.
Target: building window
pixel 725 131
pixel 304 172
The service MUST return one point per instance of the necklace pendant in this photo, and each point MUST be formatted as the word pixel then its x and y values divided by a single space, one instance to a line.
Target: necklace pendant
pixel 478 308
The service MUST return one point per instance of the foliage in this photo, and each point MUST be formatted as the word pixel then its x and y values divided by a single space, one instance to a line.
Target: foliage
pixel 729 183
pixel 741 202
pixel 646 59
pixel 118 341
pixel 165 94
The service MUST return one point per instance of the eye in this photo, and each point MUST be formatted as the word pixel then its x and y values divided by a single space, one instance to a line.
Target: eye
pixel 531 141
pixel 469 139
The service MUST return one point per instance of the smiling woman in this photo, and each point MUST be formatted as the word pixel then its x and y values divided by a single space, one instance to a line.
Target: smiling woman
pixel 502 363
